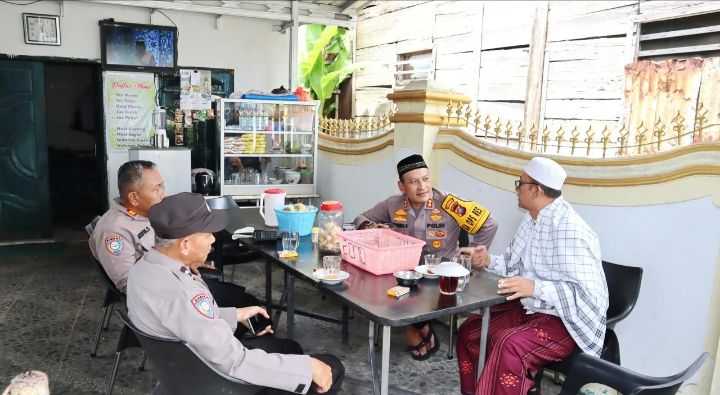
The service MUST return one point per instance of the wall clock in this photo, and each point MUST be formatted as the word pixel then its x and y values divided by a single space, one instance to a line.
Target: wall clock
pixel 41 29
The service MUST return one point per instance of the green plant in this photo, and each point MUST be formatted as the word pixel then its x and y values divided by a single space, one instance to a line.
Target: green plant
pixel 326 64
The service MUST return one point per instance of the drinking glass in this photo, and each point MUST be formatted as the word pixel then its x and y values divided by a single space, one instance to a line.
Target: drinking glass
pixel 449 285
pixel 290 240
pixel 465 261
pixel 331 264
pixel 431 262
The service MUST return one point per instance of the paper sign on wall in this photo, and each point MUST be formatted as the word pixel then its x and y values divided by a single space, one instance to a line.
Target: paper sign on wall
pixel 129 101
pixel 195 89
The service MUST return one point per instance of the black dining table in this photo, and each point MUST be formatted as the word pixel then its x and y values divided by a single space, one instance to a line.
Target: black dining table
pixel 366 293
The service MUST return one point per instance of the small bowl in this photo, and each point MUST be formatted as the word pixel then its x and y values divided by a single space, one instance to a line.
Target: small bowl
pixel 292 177
pixel 407 278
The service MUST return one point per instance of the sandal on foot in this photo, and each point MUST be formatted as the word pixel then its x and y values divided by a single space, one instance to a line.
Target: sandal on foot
pixel 431 336
pixel 417 348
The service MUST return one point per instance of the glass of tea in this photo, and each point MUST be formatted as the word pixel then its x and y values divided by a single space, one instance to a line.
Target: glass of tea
pixel 450 276
pixel 448 285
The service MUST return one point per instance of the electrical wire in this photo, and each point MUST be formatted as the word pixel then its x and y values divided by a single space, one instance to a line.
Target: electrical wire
pixel 170 19
pixel 13 3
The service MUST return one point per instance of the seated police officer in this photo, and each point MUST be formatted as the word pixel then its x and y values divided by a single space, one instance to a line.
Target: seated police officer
pixel 124 234
pixel 165 299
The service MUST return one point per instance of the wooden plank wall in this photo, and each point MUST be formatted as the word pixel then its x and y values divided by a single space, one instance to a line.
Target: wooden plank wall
pixel 585 58
pixel 482 49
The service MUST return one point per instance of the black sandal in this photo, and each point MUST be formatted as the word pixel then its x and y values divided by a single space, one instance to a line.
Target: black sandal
pixel 423 343
pixel 432 336
pixel 417 348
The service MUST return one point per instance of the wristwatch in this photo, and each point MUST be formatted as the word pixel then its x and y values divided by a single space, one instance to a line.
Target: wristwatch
pixel 365 224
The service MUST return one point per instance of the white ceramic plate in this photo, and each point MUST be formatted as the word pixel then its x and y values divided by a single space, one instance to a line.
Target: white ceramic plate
pixel 422 270
pixel 320 275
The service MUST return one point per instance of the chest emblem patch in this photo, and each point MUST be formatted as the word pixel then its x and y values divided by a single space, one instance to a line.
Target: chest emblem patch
pixel 202 304
pixel 400 213
pixel 114 244
pixel 437 244
pixel 400 219
pixel 435 217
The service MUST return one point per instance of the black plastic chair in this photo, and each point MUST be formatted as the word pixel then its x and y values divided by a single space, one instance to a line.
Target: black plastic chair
pixel 181 370
pixel 588 369
pixel 623 291
pixel 227 251
pixel 112 295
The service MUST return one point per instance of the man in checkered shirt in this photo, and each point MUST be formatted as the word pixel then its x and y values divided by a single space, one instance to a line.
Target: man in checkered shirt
pixel 557 296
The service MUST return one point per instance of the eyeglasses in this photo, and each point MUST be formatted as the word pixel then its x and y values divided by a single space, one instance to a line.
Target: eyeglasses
pixel 518 183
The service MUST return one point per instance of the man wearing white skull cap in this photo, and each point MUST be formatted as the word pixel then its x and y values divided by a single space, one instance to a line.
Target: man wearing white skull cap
pixel 556 291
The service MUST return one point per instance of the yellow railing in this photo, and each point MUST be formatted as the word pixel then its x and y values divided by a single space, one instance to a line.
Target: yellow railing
pixel 356 128
pixel 587 140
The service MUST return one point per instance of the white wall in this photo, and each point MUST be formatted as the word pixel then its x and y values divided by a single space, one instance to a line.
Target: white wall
pixel 259 56
pixel 676 245
pixel 357 187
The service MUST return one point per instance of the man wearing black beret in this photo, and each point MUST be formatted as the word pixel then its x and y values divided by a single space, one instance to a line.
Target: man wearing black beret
pixel 165 299
pixel 416 211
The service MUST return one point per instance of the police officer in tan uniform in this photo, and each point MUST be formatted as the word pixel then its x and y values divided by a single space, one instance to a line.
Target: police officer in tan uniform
pixel 165 299
pixel 417 212
pixel 123 234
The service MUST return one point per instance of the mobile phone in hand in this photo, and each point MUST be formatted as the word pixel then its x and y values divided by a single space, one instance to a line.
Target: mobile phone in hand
pixel 258 323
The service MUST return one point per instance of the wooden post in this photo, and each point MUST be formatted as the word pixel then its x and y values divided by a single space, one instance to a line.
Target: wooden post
pixel 536 65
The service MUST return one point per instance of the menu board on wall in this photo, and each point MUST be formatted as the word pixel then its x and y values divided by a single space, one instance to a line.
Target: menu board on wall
pixel 129 101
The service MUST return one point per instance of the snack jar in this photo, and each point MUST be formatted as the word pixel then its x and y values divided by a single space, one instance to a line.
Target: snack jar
pixel 330 222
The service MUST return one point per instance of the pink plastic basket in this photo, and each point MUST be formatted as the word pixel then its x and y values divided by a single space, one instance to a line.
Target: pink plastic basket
pixel 380 251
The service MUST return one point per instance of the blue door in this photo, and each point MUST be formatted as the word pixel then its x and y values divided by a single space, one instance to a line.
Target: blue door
pixel 24 194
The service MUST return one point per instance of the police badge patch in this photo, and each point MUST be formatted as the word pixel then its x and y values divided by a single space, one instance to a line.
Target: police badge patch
pixel 114 244
pixel 202 304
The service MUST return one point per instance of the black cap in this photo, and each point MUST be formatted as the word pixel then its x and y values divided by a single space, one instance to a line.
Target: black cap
pixel 412 162
pixel 184 214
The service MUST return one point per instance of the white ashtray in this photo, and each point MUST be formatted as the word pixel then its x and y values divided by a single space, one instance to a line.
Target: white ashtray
pixel 320 275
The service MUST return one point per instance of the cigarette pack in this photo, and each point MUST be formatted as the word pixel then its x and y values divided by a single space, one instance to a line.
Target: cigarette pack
pixel 287 254
pixel 398 291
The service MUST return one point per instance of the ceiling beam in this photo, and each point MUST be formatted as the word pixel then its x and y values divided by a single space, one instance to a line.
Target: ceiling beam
pixel 342 20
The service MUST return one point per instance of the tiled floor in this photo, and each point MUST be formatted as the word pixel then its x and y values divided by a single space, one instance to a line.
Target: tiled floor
pixel 50 306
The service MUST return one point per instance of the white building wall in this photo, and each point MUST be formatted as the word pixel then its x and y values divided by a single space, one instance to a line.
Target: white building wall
pixel 259 56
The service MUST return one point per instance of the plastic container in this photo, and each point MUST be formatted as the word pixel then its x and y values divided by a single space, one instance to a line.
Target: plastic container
pixel 300 221
pixel 330 222
pixel 380 251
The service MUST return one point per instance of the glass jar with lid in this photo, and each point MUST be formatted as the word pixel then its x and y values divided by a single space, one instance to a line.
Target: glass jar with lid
pixel 330 222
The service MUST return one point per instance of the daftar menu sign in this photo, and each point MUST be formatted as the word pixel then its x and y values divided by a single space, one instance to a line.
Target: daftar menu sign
pixel 129 101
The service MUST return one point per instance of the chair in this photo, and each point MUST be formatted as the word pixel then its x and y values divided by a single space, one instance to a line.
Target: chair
pixel 112 296
pixel 181 370
pixel 588 369
pixel 623 290
pixel 227 251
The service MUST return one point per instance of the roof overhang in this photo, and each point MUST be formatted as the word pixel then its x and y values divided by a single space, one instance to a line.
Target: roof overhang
pixel 327 12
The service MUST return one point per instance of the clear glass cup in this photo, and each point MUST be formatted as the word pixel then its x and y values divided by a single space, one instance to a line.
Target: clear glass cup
pixel 290 240
pixel 431 262
pixel 466 262
pixel 331 265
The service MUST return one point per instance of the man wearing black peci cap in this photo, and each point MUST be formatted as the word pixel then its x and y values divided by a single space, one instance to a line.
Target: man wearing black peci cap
pixel 417 212
pixel 165 299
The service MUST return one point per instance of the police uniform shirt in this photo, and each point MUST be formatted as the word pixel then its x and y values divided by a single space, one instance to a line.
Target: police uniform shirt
pixel 166 300
pixel 431 224
pixel 120 238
